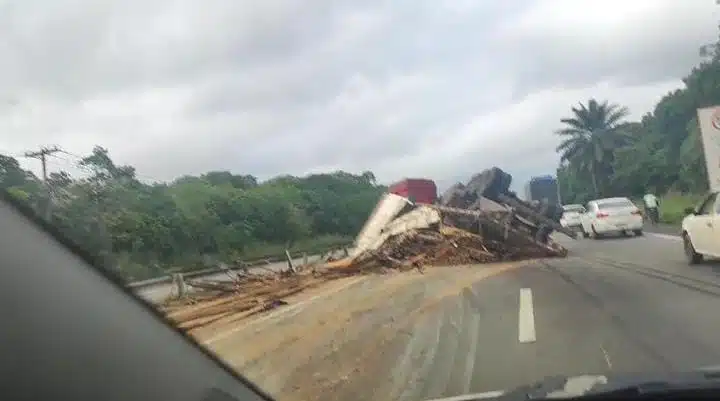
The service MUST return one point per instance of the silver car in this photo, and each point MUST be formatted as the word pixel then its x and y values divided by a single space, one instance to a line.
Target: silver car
pixel 571 217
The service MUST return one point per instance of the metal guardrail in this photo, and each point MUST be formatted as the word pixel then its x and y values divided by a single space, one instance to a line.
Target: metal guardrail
pixel 200 273
pixel 214 270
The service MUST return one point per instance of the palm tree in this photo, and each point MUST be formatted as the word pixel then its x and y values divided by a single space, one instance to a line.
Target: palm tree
pixel 590 136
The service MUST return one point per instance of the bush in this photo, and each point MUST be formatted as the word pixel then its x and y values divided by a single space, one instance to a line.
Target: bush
pixel 672 207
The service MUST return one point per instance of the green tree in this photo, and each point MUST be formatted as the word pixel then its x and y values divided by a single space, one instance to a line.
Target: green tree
pixel 11 174
pixel 590 136
pixel 20 183
pixel 662 152
pixel 143 229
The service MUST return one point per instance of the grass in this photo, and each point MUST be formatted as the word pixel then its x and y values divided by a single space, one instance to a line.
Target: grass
pixel 672 207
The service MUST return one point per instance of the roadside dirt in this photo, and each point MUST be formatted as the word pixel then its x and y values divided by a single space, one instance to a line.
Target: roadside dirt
pixel 348 339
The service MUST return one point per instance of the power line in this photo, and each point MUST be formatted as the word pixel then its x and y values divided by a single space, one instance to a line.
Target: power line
pixel 82 157
pixel 137 175
pixel 73 163
pixel 43 153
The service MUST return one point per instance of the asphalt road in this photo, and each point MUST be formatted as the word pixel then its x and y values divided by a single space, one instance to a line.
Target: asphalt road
pixel 615 305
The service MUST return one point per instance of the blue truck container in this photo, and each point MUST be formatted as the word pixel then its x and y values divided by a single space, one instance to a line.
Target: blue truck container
pixel 543 188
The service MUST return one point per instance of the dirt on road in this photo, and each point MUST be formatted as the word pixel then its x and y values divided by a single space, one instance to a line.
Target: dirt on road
pixel 352 338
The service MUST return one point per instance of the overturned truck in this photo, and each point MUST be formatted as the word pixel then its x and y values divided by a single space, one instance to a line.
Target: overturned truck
pixel 490 190
pixel 478 222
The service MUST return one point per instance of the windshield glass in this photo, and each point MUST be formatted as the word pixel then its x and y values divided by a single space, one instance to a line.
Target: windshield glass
pixel 356 200
pixel 616 204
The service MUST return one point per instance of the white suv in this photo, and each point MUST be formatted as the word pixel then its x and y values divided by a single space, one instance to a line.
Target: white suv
pixel 698 229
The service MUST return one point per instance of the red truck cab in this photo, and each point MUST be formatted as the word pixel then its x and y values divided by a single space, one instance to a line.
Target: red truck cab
pixel 418 190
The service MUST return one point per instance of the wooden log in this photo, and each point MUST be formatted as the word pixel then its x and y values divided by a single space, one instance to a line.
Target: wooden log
pixel 468 212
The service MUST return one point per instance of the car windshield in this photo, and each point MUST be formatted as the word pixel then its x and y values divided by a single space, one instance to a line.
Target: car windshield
pixel 615 204
pixel 370 200
pixel 573 209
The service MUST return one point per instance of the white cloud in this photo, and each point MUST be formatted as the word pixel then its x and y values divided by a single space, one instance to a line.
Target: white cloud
pixel 404 88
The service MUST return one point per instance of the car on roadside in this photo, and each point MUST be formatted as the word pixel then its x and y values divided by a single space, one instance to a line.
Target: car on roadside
pixel 700 229
pixel 610 216
pixel 571 217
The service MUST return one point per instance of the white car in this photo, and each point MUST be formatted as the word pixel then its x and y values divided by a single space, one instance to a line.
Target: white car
pixel 698 229
pixel 572 216
pixel 611 216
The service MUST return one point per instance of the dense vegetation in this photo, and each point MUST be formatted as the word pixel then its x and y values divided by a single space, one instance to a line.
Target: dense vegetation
pixel 604 154
pixel 144 229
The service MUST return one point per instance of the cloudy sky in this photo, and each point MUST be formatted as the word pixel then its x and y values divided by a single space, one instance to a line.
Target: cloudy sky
pixel 422 88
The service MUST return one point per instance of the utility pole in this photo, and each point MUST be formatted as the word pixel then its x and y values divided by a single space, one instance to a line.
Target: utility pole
pixel 42 155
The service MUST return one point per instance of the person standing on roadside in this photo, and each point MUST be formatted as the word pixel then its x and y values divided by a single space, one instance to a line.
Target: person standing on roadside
pixel 651 207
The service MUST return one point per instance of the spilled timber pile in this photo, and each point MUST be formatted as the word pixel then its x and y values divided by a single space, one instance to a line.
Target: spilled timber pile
pixel 496 237
pixel 478 222
pixel 241 296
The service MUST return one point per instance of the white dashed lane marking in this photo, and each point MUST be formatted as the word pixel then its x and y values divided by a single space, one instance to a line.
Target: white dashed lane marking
pixel 526 321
